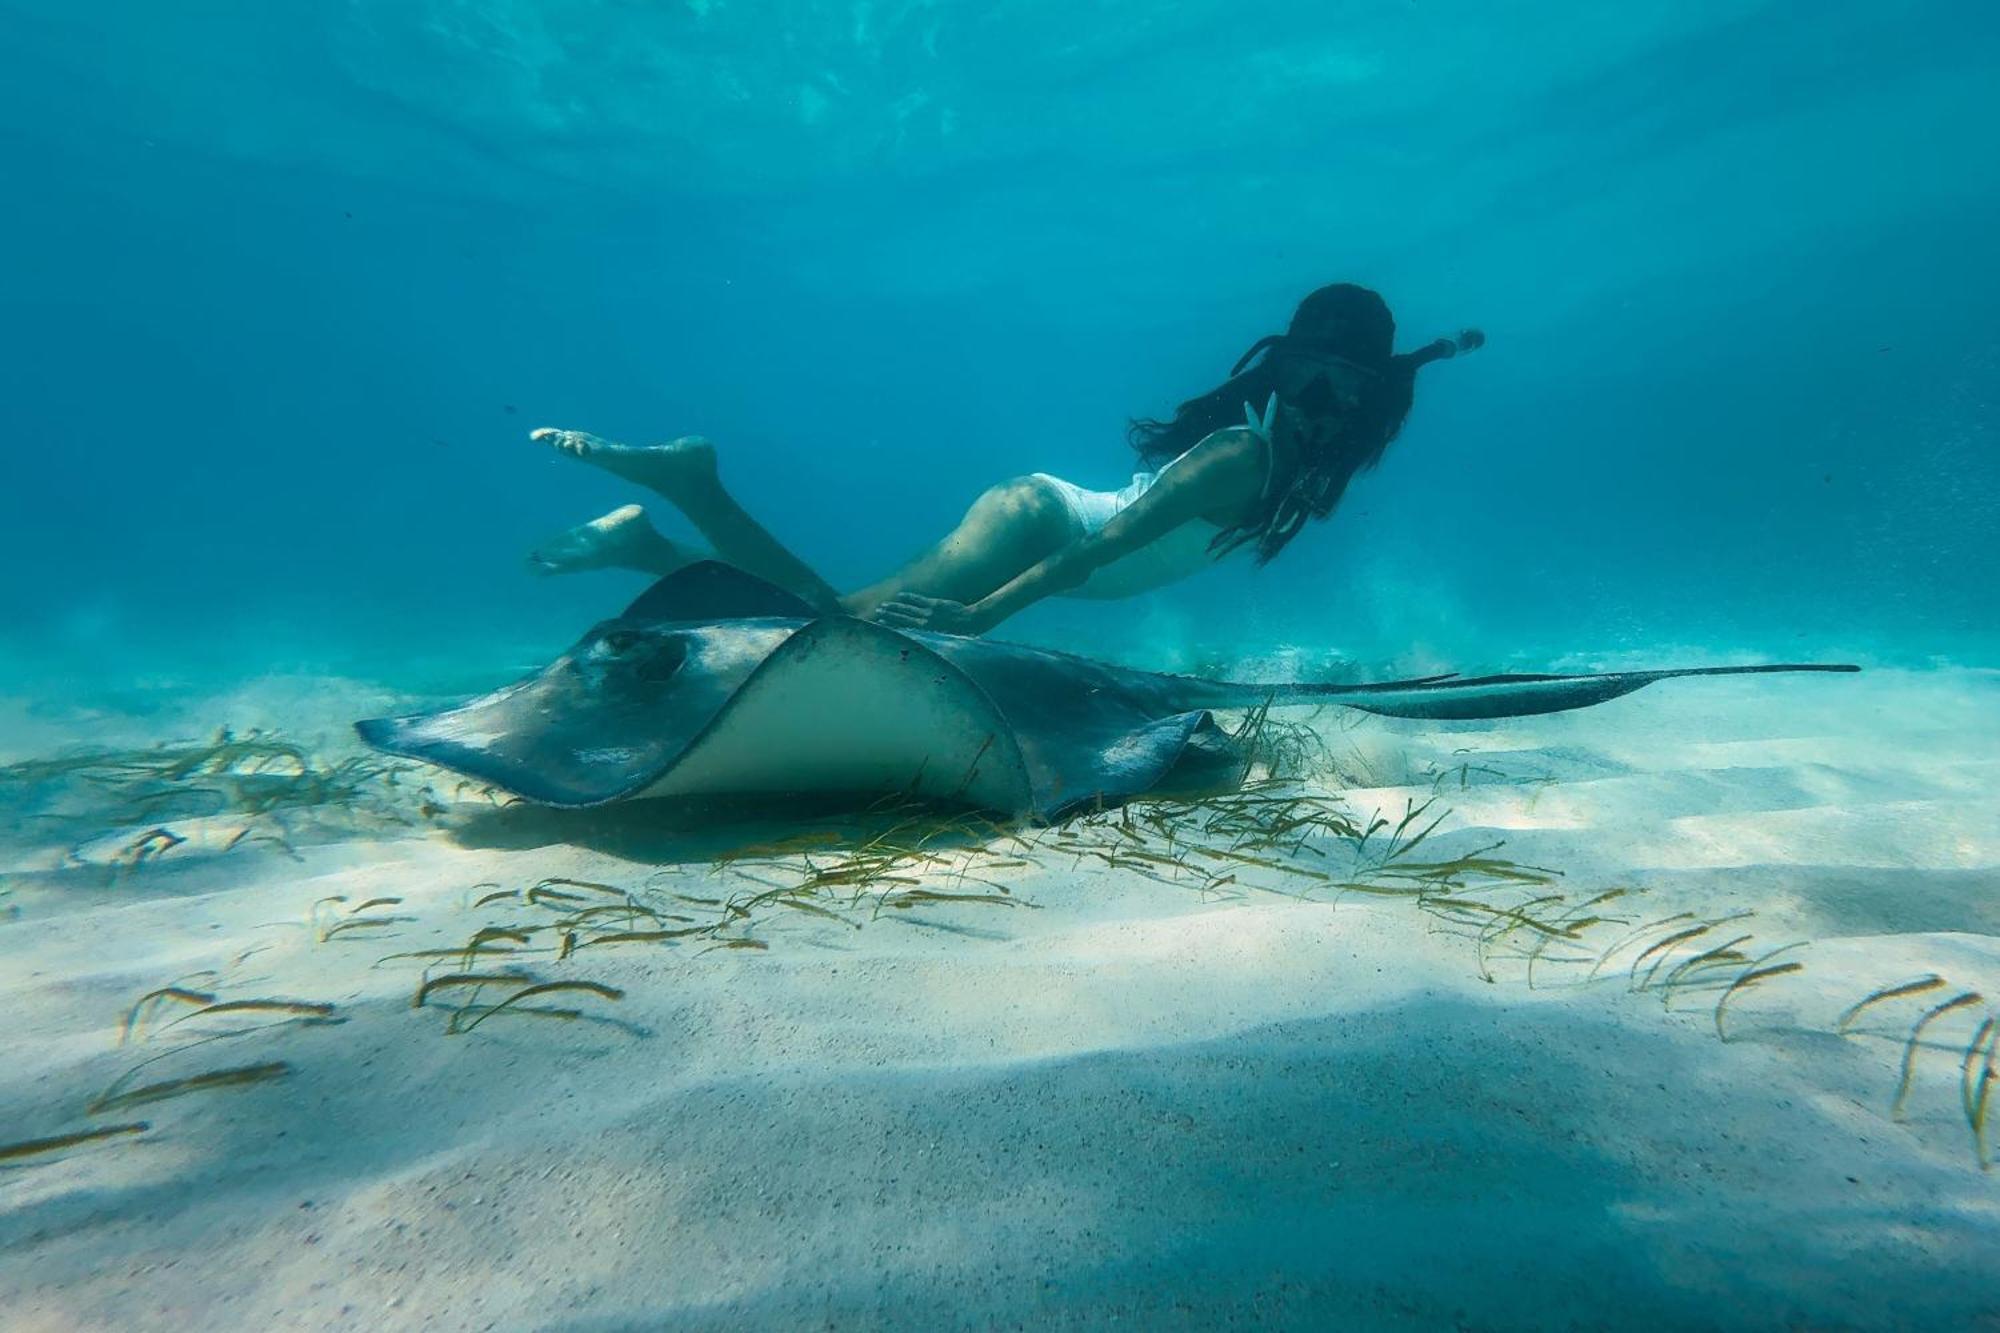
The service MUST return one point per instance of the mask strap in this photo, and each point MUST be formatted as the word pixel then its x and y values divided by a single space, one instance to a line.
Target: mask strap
pixel 1267 341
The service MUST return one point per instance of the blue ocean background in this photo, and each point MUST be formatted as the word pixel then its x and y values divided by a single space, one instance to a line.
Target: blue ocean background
pixel 287 285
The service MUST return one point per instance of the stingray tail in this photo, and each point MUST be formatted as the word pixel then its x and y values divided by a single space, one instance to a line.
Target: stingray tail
pixel 1460 698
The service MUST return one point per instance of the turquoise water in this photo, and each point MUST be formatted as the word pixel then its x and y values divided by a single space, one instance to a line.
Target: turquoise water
pixel 283 289
pixel 288 285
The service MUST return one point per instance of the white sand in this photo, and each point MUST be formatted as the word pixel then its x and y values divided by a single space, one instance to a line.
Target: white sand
pixel 1129 1105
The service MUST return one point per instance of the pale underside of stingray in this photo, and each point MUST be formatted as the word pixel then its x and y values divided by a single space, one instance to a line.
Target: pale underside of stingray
pixel 716 683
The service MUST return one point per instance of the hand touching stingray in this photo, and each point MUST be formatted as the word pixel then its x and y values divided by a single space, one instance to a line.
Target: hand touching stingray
pixel 909 610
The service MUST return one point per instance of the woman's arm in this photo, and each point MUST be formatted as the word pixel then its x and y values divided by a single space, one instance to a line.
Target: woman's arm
pixel 1221 476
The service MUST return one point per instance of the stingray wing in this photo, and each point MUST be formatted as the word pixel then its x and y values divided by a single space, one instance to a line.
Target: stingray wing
pixel 742 707
pixel 599 723
pixel 1090 732
pixel 709 590
pixel 845 706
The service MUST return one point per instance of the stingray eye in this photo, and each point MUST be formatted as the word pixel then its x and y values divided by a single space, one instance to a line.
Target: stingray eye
pixel 665 659
pixel 620 642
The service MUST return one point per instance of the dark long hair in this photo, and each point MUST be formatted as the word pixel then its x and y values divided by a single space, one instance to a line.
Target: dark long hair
pixel 1342 393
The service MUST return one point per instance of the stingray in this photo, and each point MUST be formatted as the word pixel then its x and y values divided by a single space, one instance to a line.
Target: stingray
pixel 716 683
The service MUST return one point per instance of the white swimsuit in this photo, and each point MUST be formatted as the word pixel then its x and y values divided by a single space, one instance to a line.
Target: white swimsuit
pixel 1169 560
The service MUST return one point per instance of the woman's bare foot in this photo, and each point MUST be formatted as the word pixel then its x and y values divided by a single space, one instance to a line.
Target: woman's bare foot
pixel 622 539
pixel 681 469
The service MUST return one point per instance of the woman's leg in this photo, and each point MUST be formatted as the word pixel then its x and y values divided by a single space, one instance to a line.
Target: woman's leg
pixel 623 539
pixel 1009 529
pixel 684 472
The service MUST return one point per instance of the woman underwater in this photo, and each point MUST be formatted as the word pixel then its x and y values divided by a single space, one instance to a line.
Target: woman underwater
pixel 1242 466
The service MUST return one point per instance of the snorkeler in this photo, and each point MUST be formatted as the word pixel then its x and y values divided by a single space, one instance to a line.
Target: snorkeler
pixel 1244 465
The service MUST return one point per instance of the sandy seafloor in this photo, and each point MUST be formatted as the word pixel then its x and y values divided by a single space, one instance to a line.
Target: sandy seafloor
pixel 1128 1103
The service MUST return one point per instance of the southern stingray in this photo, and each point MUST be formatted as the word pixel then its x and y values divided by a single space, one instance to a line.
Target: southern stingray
pixel 716 683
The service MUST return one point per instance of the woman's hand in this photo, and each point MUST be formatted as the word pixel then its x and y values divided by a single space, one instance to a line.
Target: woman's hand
pixel 909 610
